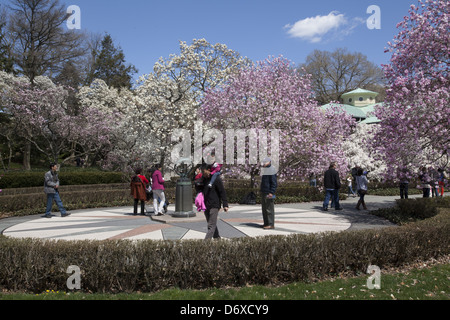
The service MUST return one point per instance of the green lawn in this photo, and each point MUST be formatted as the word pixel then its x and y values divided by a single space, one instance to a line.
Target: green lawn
pixel 418 284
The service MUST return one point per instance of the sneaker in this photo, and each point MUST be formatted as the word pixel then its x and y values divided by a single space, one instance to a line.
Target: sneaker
pixel 65 215
pixel 339 208
pixel 325 209
pixel 48 216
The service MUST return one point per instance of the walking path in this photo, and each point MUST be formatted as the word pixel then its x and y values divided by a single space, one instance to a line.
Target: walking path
pixel 241 221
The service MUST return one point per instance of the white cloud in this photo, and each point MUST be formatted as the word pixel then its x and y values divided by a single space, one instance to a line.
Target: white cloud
pixel 313 29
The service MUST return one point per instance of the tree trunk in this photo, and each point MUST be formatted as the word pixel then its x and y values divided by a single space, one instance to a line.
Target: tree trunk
pixel 27 156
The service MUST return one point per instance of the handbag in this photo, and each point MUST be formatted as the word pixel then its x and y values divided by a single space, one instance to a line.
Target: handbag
pixel 200 202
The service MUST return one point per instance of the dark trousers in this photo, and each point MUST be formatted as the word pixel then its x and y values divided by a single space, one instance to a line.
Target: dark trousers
pixel 268 210
pixel 404 190
pixel 136 201
pixel 434 190
pixel 211 218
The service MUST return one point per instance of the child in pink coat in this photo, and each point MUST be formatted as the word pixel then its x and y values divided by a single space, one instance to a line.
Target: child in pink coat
pixel 215 171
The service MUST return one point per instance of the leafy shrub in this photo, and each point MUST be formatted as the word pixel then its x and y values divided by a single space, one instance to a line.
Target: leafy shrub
pixel 290 194
pixel 19 202
pixel 410 210
pixel 36 179
pixel 27 201
pixel 394 191
pixel 147 266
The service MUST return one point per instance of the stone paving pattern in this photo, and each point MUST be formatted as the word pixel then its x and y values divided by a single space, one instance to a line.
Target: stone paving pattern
pixel 241 221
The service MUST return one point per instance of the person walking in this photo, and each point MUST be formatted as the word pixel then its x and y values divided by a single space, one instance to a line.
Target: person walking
pixel 332 184
pixel 434 182
pixel 312 180
pixel 404 183
pixel 158 191
pixel 361 188
pixel 441 181
pixel 425 182
pixel 51 188
pixel 350 184
pixel 138 185
pixel 268 190
pixel 214 198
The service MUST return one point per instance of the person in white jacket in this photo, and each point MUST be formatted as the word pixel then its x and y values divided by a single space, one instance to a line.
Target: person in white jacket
pixel 361 187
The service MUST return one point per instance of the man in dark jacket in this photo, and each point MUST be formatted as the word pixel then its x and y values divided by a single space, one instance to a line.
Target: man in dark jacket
pixel 215 196
pixel 332 184
pixel 268 190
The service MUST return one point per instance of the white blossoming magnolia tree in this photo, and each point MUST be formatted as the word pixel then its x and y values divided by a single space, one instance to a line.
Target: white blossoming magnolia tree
pixel 356 150
pixel 169 98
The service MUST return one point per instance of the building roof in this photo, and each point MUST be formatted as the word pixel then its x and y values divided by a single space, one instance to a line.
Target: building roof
pixel 358 92
pixel 364 113
pixel 355 112
pixel 370 109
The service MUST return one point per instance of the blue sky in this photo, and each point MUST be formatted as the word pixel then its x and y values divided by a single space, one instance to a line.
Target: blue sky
pixel 148 29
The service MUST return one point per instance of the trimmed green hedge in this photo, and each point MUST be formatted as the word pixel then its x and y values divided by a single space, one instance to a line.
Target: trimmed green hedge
pixel 27 201
pixel 411 210
pixel 148 266
pixel 36 179
pixel 289 194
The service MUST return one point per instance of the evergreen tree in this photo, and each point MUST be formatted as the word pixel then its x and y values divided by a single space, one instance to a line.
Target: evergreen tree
pixel 110 66
pixel 6 60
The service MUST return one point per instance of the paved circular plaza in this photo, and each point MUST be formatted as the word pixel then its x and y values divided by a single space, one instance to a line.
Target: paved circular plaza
pixel 241 221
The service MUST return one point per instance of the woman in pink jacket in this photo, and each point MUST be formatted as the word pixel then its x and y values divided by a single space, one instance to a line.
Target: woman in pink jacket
pixel 158 191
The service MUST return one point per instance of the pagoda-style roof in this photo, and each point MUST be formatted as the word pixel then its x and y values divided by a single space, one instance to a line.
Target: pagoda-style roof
pixel 360 91
pixel 355 112
pixel 362 114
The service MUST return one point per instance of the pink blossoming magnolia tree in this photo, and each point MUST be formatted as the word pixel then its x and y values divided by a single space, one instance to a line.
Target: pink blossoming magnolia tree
pixel 41 116
pixel 415 128
pixel 272 95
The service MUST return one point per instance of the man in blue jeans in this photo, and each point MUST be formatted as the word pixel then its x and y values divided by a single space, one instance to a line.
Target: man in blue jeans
pixel 51 185
pixel 332 184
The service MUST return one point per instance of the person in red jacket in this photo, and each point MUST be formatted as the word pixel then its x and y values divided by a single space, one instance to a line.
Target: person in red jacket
pixel 138 185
